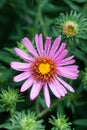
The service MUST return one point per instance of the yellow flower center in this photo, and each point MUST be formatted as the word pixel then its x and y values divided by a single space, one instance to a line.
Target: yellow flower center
pixel 44 68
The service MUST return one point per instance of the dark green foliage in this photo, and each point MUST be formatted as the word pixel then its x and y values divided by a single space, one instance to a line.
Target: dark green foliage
pixel 25 18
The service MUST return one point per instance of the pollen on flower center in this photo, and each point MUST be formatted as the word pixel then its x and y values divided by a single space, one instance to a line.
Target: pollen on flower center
pixel 44 68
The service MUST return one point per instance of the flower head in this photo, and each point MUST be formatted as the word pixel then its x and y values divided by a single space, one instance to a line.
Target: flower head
pixel 72 26
pixel 43 69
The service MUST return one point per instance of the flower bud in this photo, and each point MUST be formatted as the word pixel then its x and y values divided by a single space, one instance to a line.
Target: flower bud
pixel 25 121
pixel 8 99
pixel 60 123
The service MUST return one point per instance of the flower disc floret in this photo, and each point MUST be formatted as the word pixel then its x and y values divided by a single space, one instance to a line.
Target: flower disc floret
pixel 43 69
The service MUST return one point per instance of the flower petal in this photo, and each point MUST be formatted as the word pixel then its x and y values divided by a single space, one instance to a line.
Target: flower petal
pixel 39 43
pixel 55 46
pixel 68 72
pixel 54 90
pixel 61 56
pixel 20 66
pixel 37 86
pixel 22 76
pixel 67 59
pixel 22 54
pixel 60 88
pixel 66 85
pixel 62 47
pixel 29 46
pixel 66 63
pixel 27 84
pixel 46 95
pixel 47 45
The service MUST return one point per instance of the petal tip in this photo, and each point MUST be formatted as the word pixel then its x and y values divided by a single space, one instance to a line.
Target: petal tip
pixel 31 99
pixel 15 48
pixel 22 90
pixel 48 105
pixel 24 39
pixel 59 37
pixel 49 38
pixel 36 35
pixel 11 64
pixel 15 79
pixel 40 34
pixel 73 90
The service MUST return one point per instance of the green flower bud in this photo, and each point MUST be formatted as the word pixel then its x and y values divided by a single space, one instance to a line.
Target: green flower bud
pixel 8 99
pixel 60 123
pixel 72 26
pixel 25 121
pixel 70 29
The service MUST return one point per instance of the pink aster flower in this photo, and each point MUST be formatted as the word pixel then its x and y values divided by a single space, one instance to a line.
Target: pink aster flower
pixel 45 67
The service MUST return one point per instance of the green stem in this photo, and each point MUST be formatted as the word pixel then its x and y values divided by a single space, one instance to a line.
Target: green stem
pixel 12 112
pixel 39 18
pixel 47 110
pixel 37 106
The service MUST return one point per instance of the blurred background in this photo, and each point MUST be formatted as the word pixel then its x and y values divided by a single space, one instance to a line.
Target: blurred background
pixel 25 18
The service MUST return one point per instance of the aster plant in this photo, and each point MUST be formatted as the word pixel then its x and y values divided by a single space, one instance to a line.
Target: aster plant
pixel 45 67
pixel 60 123
pixel 23 121
pixel 72 26
pixel 8 100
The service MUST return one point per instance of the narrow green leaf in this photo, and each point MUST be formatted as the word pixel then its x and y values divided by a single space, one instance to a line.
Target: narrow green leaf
pixel 82 122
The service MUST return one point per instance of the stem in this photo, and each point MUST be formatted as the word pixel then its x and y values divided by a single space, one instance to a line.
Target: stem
pixel 47 110
pixel 12 112
pixel 39 18
pixel 37 106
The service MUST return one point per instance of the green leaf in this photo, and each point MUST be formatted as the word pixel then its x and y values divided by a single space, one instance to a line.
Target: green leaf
pixel 82 122
pixel 5 125
pixel 6 56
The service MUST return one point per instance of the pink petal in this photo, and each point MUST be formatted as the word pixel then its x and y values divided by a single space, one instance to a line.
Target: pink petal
pixel 35 90
pixel 62 55
pixel 55 46
pixel 62 47
pixel 27 84
pixel 67 59
pixel 47 45
pixel 46 95
pixel 29 46
pixel 67 72
pixel 60 88
pixel 20 66
pixel 66 63
pixel 39 43
pixel 22 76
pixel 22 54
pixel 73 67
pixel 66 85
pixel 54 90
